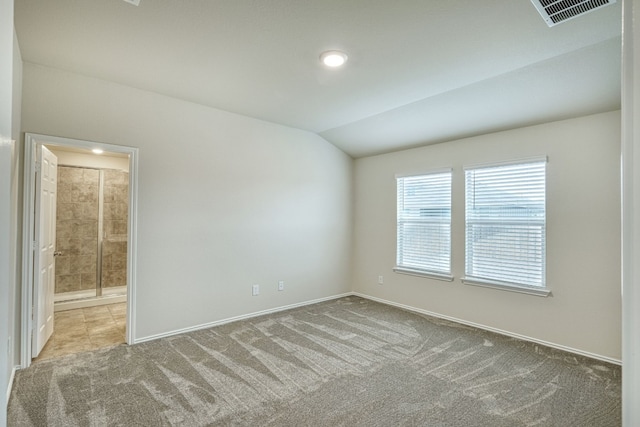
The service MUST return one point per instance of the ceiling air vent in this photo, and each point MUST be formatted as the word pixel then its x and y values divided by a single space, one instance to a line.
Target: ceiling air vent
pixel 557 11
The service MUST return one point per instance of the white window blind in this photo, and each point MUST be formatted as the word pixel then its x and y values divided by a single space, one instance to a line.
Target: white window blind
pixel 505 224
pixel 424 223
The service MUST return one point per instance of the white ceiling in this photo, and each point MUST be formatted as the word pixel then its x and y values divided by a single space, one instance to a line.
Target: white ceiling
pixel 419 71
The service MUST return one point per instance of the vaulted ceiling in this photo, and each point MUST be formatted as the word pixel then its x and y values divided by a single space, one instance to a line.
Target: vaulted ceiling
pixel 418 72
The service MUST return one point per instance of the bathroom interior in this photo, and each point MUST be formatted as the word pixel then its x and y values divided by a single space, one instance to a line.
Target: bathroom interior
pixel 91 251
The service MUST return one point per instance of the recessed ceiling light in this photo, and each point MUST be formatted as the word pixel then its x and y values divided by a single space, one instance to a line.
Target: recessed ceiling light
pixel 97 151
pixel 333 58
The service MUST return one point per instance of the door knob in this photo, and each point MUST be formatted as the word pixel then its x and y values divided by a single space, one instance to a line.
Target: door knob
pixel 57 253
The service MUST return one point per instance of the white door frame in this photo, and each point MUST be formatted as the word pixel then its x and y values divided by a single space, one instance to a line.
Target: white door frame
pixel 31 142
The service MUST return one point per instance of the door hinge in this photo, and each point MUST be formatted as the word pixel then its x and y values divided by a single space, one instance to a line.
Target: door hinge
pixel 38 167
pixel 35 245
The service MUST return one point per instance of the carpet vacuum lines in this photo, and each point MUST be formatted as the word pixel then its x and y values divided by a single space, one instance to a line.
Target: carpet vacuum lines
pixel 345 362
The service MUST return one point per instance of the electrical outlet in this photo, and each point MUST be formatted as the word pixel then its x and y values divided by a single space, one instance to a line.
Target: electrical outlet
pixel 380 280
pixel 255 290
pixel 281 285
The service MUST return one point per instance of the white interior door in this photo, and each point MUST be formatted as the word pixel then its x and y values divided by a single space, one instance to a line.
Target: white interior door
pixel 44 262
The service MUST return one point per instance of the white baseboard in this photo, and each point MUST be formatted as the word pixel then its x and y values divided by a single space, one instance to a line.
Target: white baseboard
pixel 236 318
pixel 491 329
pixel 10 385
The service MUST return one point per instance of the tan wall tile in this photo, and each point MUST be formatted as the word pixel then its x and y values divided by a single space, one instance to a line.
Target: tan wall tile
pixel 63 264
pixel 64 192
pixel 109 194
pixel 118 261
pixel 91 175
pixel 89 246
pixel 88 229
pixel 110 211
pixel 67 283
pixel 86 264
pixel 69 174
pixel 112 176
pixel 88 281
pixel 68 245
pixel 106 261
pixel 111 278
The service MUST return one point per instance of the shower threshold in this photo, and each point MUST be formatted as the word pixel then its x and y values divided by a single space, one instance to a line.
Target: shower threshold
pixel 82 299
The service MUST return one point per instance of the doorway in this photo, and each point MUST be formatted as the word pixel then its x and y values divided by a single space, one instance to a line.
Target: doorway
pixel 91 228
pixel 95 244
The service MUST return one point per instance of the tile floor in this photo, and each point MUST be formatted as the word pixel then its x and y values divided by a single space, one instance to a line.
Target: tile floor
pixel 86 329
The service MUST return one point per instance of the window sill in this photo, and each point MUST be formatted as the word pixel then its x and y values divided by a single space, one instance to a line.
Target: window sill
pixel 421 273
pixel 540 292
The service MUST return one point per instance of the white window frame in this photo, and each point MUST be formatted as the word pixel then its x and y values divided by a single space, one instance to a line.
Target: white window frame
pixel 540 289
pixel 402 218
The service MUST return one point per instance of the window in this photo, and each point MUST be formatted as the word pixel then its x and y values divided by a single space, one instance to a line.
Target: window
pixel 505 225
pixel 424 225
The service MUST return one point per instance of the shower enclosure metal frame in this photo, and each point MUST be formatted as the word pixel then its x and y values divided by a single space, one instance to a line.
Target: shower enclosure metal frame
pixel 99 288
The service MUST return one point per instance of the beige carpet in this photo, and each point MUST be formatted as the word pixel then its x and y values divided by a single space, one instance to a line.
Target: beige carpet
pixel 348 362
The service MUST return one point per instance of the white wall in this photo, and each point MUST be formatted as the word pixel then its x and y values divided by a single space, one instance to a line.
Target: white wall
pixel 15 258
pixel 9 119
pixel 6 57
pixel 583 234
pixel 631 214
pixel 225 201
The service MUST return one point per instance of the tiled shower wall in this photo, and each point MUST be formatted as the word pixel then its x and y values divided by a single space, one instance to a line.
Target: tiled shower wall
pixel 77 228
pixel 116 211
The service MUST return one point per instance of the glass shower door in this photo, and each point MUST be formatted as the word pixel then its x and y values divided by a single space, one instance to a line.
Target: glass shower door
pixel 91 233
pixel 77 232
pixel 114 226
